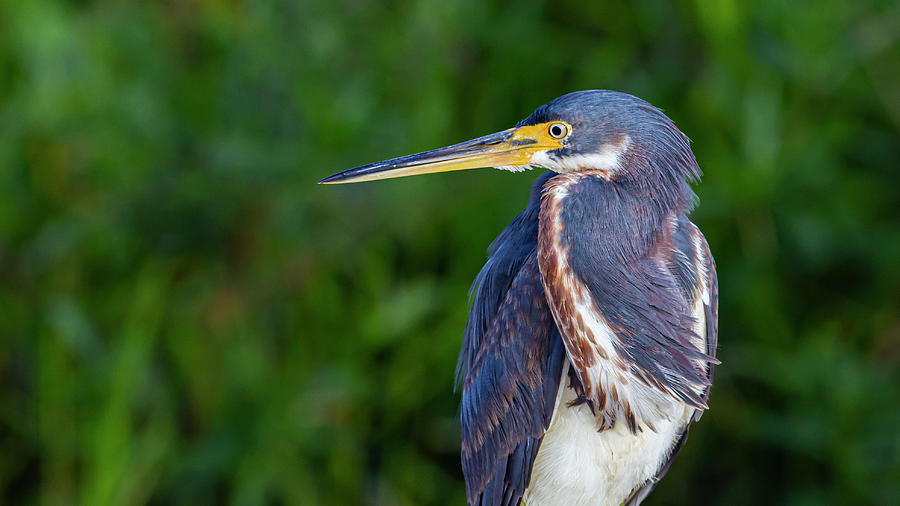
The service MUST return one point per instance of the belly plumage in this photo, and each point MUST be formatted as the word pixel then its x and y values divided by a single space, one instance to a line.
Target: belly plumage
pixel 578 464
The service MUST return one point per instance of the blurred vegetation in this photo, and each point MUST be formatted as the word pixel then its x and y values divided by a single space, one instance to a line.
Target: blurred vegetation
pixel 187 318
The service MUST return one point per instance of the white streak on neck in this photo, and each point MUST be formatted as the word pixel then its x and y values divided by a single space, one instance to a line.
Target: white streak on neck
pixel 607 159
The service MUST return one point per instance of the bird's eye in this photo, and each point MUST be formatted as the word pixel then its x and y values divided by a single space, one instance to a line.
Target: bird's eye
pixel 558 130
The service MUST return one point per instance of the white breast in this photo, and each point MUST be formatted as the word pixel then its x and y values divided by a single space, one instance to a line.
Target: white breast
pixel 577 465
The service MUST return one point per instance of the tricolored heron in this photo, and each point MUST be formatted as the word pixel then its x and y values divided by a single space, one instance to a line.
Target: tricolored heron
pixel 591 339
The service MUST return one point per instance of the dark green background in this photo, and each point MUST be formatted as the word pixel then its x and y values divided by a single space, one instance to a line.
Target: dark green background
pixel 187 318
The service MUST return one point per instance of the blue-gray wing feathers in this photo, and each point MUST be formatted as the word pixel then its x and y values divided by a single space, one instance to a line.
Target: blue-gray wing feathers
pixel 509 368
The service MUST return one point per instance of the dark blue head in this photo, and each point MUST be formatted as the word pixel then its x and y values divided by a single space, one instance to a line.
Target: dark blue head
pixel 616 134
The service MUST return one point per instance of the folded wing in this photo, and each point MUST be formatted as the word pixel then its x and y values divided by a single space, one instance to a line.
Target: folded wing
pixel 510 367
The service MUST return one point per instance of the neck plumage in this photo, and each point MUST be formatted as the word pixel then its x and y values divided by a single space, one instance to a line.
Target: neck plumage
pixel 626 216
pixel 626 327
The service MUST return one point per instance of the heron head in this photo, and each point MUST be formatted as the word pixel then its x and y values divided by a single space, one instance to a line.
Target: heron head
pixel 614 135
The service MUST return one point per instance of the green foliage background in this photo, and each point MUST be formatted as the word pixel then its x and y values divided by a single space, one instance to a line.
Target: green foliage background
pixel 187 318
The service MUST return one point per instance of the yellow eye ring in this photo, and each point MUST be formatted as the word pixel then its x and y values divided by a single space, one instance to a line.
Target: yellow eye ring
pixel 558 130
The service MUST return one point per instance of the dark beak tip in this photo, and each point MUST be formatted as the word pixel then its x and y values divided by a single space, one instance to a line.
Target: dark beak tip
pixel 330 179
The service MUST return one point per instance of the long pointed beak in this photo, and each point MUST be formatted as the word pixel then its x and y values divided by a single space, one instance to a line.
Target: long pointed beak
pixel 513 147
